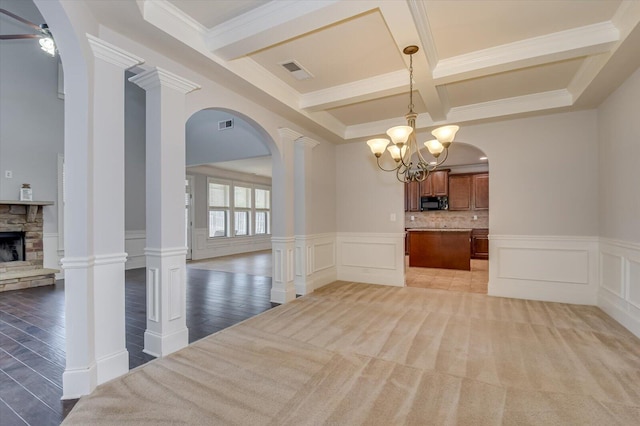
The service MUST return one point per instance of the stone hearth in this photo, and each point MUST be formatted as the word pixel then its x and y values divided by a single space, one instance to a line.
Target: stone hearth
pixel 25 216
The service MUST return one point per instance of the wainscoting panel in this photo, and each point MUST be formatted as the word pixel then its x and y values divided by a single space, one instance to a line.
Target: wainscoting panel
pixel 619 290
pixel 134 243
pixel 371 258
pixel 206 248
pixel 550 268
pixel 315 261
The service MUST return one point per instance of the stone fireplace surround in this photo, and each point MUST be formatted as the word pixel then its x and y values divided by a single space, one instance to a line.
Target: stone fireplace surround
pixel 25 216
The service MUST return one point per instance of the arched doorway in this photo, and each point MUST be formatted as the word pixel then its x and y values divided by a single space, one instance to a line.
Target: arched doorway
pixel 449 209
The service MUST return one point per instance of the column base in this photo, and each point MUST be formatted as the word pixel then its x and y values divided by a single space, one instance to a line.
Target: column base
pixel 113 366
pixel 79 382
pixel 283 296
pixel 161 345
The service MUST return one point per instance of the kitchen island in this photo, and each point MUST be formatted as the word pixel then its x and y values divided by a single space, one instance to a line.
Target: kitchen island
pixel 440 248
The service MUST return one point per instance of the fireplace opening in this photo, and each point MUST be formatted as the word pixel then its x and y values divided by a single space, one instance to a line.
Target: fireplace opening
pixel 11 246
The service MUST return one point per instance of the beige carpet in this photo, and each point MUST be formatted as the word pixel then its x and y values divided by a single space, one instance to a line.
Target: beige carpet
pixel 352 354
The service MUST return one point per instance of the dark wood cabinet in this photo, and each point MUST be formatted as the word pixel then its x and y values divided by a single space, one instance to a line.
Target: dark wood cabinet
pixel 460 192
pixel 412 196
pixel 436 185
pixel 481 191
pixel 469 191
pixel 480 244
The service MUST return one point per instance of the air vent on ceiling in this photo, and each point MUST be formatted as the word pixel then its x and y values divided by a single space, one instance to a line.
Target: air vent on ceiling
pixel 296 70
pixel 225 124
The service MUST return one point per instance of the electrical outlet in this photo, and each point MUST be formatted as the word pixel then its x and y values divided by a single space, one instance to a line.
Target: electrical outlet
pixel 392 217
pixel 8 174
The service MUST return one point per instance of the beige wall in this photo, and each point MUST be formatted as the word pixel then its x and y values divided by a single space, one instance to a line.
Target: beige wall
pixel 543 178
pixel 323 193
pixel 366 196
pixel 619 150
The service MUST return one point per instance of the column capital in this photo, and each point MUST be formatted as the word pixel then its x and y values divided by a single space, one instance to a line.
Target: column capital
pixel 288 134
pixel 158 77
pixel 112 54
pixel 307 142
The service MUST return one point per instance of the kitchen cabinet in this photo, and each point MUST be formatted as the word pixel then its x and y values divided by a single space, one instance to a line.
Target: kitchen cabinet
pixel 460 192
pixel 412 197
pixel 436 185
pixel 469 191
pixel 480 183
pixel 407 242
pixel 480 244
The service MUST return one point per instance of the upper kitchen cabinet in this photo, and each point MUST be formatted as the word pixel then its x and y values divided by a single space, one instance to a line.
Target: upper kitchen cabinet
pixel 480 184
pixel 412 196
pixel 469 192
pixel 436 185
pixel 460 192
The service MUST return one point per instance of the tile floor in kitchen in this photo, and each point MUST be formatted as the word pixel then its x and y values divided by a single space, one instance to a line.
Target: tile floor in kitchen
pixel 473 281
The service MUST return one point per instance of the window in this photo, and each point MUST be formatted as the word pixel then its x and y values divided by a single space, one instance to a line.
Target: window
pixel 262 211
pixel 238 209
pixel 242 207
pixel 218 209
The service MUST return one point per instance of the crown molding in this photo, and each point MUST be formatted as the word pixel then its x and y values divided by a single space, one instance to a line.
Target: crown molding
pixel 419 11
pixel 289 134
pixel 388 84
pixel 493 109
pixel 306 142
pixel 583 41
pixel 164 10
pixel 275 22
pixel 157 77
pixel 112 54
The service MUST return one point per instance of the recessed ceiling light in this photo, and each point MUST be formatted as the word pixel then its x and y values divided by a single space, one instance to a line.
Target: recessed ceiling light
pixel 484 158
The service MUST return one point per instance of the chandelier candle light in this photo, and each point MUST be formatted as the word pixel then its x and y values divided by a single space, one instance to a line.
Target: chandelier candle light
pixel 404 141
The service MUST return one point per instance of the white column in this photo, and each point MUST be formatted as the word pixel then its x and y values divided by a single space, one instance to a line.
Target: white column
pixel 303 164
pixel 282 242
pixel 166 246
pixel 94 253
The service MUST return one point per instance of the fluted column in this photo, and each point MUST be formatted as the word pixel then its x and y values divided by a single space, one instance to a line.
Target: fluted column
pixel 165 179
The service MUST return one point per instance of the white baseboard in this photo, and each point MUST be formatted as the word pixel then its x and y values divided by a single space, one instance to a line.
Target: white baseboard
pixel 372 258
pixel 619 283
pixel 549 268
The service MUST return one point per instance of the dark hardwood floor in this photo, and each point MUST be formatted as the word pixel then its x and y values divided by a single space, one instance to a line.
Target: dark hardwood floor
pixel 32 345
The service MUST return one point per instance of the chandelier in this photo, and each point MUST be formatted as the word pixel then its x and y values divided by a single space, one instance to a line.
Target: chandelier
pixel 405 145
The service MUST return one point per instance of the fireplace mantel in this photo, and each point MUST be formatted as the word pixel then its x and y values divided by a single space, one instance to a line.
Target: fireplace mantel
pixel 33 206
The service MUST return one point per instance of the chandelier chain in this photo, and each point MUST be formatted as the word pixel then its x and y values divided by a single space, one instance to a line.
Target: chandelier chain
pixel 410 83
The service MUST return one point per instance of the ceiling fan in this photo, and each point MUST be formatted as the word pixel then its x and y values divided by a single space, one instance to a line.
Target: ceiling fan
pixel 46 39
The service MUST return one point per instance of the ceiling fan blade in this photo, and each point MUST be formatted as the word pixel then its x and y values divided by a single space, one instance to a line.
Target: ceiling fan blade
pixel 24 21
pixel 18 36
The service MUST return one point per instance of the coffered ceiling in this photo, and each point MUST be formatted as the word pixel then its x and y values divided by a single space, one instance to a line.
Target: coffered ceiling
pixel 478 60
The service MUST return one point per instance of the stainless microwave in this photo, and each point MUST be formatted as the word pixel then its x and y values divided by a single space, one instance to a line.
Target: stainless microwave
pixel 434 203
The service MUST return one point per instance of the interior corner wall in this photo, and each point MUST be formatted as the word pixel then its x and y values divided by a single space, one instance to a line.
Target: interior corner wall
pixel 31 115
pixel 619 204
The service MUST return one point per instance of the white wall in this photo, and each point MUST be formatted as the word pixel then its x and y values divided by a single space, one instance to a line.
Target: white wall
pixel 135 148
pixel 31 114
pixel 619 204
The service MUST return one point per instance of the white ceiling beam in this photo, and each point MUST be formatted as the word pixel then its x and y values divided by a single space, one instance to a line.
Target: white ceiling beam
pixel 573 43
pixel 493 109
pixel 401 24
pixel 367 89
pixel 276 22
pixel 626 19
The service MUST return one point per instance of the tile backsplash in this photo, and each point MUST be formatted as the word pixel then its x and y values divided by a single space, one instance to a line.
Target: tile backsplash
pixel 447 219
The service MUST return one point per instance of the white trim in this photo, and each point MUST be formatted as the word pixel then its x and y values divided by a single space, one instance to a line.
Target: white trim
pixel 544 267
pixel 562 45
pixel 373 258
pixel 165 252
pixel 315 261
pixel 158 77
pixel 109 259
pixel 619 282
pixel 112 54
